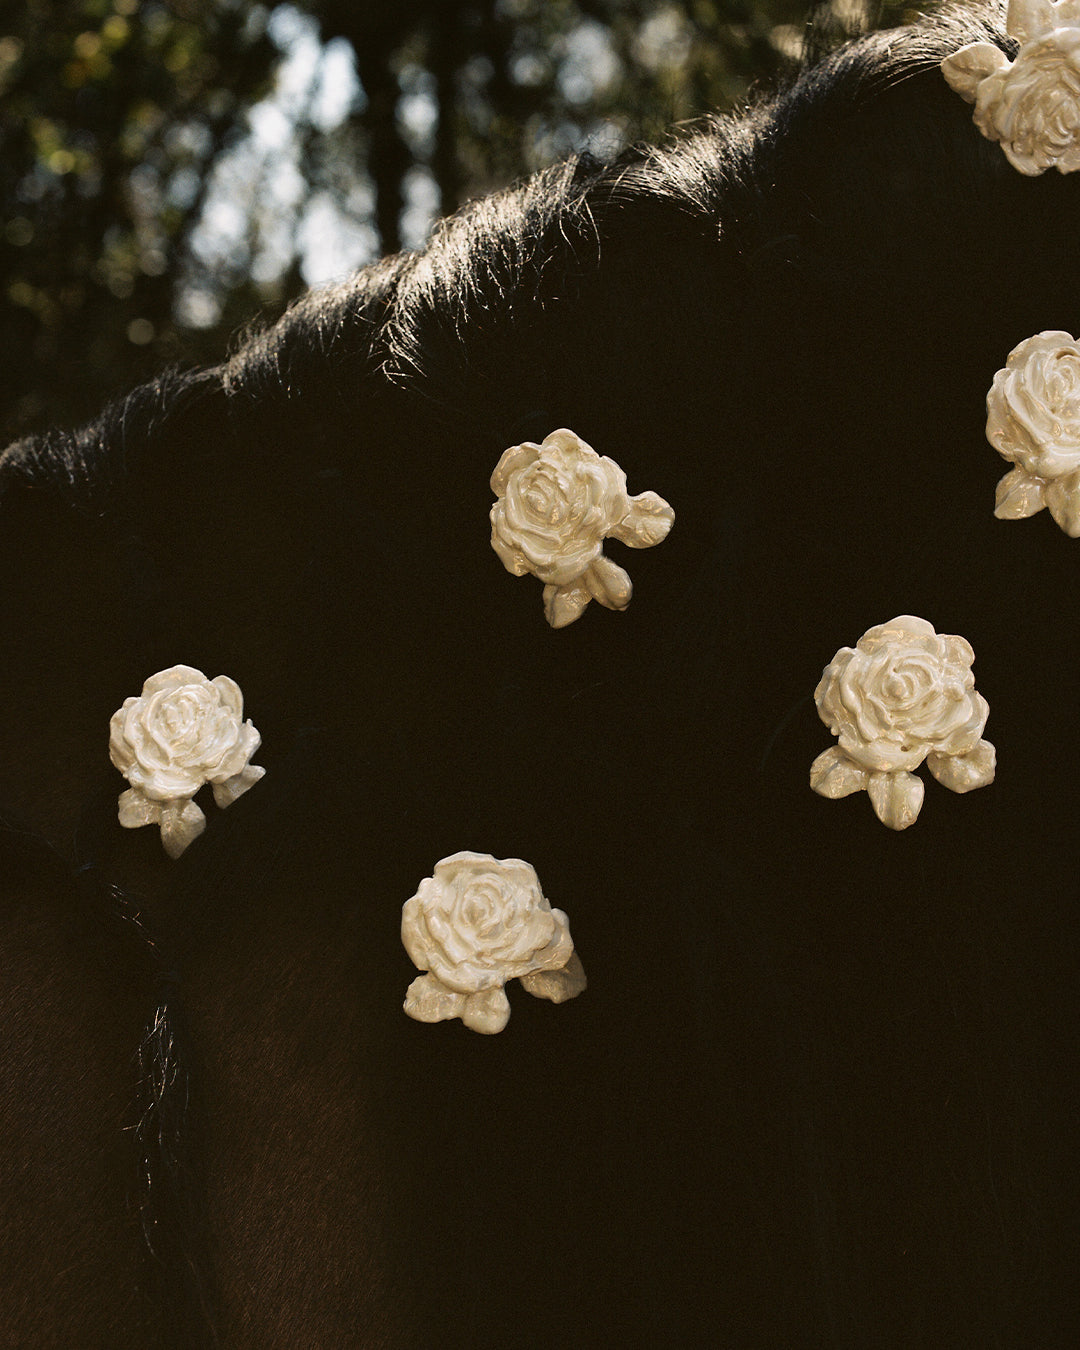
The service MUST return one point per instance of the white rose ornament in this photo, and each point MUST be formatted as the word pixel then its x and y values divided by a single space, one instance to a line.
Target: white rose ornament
pixel 476 923
pixel 182 731
pixel 557 503
pixel 1030 105
pixel 1033 421
pixel 903 694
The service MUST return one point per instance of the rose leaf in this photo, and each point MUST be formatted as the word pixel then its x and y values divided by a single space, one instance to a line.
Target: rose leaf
pixel 227 792
pixel 427 999
pixel 181 824
pixel 136 809
pixel 564 604
pixel 833 774
pixel 896 797
pixel 1063 499
pixel 608 583
pixel 557 985
pixel 487 1012
pixel 966 69
pixel 1019 494
pixel 646 523
pixel 964 773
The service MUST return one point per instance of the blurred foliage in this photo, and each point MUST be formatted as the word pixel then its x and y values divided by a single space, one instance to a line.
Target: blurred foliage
pixel 112 113
pixel 169 166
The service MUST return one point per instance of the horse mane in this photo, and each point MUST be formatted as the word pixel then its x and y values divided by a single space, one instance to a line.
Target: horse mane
pixel 429 321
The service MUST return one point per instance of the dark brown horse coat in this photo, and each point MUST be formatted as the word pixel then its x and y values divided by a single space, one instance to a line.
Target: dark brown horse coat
pixel 818 1092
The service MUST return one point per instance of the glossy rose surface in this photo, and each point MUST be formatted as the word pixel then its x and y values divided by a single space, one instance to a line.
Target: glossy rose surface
pixel 480 921
pixel 183 730
pixel 901 693
pixel 557 502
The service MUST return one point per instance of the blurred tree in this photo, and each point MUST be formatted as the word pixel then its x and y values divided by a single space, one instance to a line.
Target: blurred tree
pixel 516 83
pixel 112 110
pixel 166 166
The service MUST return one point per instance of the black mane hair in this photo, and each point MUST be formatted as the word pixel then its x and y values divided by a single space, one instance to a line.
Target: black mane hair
pixel 816 1092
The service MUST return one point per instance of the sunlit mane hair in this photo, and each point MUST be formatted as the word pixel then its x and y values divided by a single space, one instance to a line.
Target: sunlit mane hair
pixel 466 323
pixel 786 323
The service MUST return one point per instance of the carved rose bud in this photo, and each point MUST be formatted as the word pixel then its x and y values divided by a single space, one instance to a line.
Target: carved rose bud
pixel 557 503
pixel 903 694
pixel 1030 105
pixel 1033 421
pixel 473 925
pixel 182 731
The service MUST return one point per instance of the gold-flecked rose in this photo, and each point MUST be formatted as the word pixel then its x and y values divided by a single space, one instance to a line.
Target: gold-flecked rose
pixel 903 694
pixel 1033 107
pixel 1033 421
pixel 560 501
pixel 1030 105
pixel 557 503
pixel 476 923
pixel 182 731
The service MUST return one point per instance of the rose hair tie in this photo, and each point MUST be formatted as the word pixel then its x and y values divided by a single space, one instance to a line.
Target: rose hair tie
pixel 182 731
pixel 1030 105
pixel 558 502
pixel 903 694
pixel 1033 421
pixel 476 923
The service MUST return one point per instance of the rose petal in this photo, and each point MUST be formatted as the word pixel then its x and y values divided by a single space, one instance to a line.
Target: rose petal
pixel 1019 495
pixel 569 442
pixel 450 953
pixel 965 773
pixel 230 695
pixel 465 861
pixel 909 624
pixel 236 758
pixel 559 947
pixel 511 558
pixel 517 457
pixel 564 604
pixel 1027 19
pixel 173 678
pixel 834 775
pixel 487 1012
pixel 557 985
pixel 413 928
pixel 896 797
pixel 427 1000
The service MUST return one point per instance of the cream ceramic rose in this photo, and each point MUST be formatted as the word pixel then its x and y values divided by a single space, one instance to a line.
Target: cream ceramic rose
pixel 903 694
pixel 1030 105
pixel 1033 421
pixel 182 731
pixel 476 923
pixel 557 503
